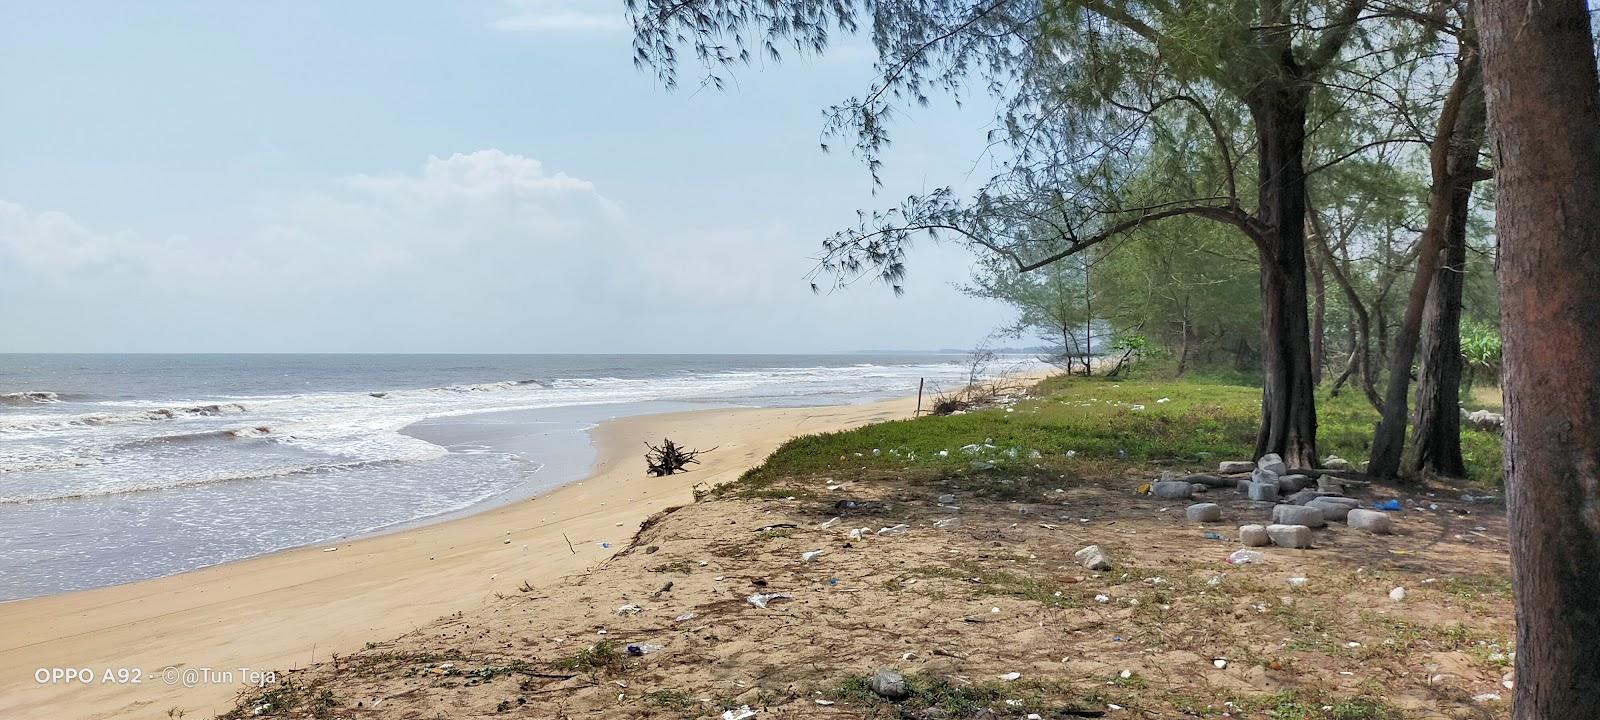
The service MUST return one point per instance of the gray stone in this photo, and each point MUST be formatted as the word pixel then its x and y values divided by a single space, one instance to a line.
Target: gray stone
pixel 1254 536
pixel 890 684
pixel 1289 536
pixel 1197 488
pixel 1293 483
pixel 1273 462
pixel 1204 512
pixel 1303 497
pixel 1235 467
pixel 1172 490
pixel 1334 462
pixel 1331 484
pixel 1331 510
pixel 1348 502
pixel 1371 521
pixel 1242 484
pixel 1298 515
pixel 1208 480
pixel 1263 492
pixel 1093 558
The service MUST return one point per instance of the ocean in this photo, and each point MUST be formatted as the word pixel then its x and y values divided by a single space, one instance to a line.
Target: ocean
pixel 115 468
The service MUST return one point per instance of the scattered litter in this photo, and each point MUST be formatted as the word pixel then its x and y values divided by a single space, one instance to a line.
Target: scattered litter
pixel 829 523
pixel 1245 557
pixel 1390 505
pixel 1298 582
pixel 1125 674
pixel 896 530
pixel 639 649
pixel 946 523
pixel 947 499
pixel 1397 594
pixel 761 600
pixel 629 609
pixel 1211 536
pixel 856 533
pixel 810 555
pixel 332 549
pixel 686 617
pixel 1219 663
pixel 824 703
pixel 1102 599
pixel 1008 677
pixel 605 545
pixel 1486 697
pixel 743 713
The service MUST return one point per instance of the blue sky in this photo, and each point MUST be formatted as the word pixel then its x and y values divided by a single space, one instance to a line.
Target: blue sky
pixel 483 176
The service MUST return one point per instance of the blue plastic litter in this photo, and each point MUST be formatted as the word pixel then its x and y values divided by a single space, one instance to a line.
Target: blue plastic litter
pixel 1389 505
pixel 1213 536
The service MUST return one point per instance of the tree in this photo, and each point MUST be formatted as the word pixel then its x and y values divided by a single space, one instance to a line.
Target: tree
pixel 1544 105
pixel 1092 83
pixel 1453 167
pixel 1055 303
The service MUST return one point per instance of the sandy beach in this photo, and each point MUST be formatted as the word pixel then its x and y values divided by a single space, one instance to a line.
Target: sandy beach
pixel 288 609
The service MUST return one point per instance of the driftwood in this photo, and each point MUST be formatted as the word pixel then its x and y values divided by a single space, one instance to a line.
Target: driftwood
pixel 670 458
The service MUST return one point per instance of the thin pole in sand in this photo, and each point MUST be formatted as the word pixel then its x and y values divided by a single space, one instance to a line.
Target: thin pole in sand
pixel 920 381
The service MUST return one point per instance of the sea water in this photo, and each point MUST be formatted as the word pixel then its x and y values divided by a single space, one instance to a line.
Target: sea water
pixel 116 468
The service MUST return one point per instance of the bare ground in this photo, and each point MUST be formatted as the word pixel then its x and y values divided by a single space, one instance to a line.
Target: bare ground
pixel 1170 631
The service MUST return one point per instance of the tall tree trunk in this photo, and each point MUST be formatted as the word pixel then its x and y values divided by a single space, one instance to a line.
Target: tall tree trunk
pixel 1452 157
pixel 1319 314
pixel 1544 106
pixel 1436 437
pixel 1288 405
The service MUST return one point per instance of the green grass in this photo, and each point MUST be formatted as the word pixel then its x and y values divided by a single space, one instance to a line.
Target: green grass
pixel 932 692
pixel 1105 425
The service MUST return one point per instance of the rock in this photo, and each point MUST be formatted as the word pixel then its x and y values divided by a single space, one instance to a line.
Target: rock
pixel 1483 420
pixel 1330 484
pixel 1332 509
pixel 1235 467
pixel 1298 515
pixel 1242 484
pixel 1273 462
pixel 1172 490
pixel 1253 536
pixel 1093 558
pixel 1334 462
pixel 889 684
pixel 1195 488
pixel 1263 492
pixel 1289 536
pixel 1303 497
pixel 1208 480
pixel 1265 477
pixel 1204 512
pixel 1371 521
pixel 1293 483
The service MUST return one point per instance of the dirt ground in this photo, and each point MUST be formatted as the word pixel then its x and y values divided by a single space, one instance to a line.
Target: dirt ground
pixel 986 614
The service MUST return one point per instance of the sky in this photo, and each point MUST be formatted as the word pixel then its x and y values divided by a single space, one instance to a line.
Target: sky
pixel 477 176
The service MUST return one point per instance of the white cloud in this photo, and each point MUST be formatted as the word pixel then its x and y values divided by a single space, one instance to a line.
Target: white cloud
pixel 561 16
pixel 478 252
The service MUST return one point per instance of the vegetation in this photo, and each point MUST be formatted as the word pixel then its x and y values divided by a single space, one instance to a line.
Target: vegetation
pixel 1089 425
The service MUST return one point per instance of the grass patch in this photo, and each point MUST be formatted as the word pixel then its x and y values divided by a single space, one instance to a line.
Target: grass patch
pixel 287 698
pixel 928 692
pixel 1086 426
pixel 985 581
pixel 602 655
pixel 670 699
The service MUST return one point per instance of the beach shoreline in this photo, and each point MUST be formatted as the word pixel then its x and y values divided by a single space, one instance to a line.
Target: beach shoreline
pixel 290 608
